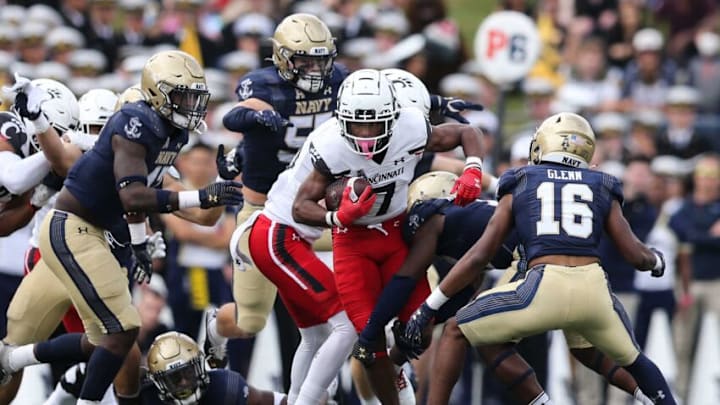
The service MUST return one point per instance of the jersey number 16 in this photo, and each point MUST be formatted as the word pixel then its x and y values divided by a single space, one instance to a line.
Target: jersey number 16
pixel 576 217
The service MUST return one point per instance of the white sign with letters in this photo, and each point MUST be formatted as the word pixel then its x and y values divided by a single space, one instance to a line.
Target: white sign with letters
pixel 507 44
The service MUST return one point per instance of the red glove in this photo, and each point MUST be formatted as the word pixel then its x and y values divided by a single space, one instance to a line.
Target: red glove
pixel 350 211
pixel 468 186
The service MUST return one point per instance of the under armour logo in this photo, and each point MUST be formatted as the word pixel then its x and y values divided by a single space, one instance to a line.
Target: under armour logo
pixel 213 198
pixel 362 353
pixel 295 236
pixel 660 395
pixel 341 229
pixel 82 229
pixel 401 160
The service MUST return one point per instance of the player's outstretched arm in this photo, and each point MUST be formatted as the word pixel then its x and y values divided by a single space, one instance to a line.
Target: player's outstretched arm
pixel 398 291
pixel 131 182
pixel 61 155
pixel 446 137
pixel 632 249
pixel 197 215
pixel 16 216
pixel 19 175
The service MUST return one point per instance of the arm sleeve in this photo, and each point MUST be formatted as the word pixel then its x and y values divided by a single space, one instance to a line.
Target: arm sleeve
pixel 20 175
pixel 394 296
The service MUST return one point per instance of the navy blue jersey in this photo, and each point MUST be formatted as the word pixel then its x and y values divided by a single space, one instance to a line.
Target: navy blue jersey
pixel 92 180
pixel 463 226
pixel 267 153
pixel 226 388
pixel 559 210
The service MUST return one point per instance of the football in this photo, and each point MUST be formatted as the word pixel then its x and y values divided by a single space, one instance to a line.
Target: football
pixel 334 191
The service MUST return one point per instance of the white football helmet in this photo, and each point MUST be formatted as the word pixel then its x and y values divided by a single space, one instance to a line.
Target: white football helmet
pixel 367 97
pixel 409 90
pixel 62 110
pixel 96 107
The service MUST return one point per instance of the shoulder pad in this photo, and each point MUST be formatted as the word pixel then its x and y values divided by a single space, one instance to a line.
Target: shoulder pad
pixel 509 181
pixel 421 211
pixel 256 84
pixel 614 186
pixel 137 120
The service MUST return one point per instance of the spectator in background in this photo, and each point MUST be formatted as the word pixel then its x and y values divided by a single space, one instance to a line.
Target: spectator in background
pixel 589 76
pixel 32 43
pixel 389 28
pixel 74 14
pixel 195 275
pixel 103 36
pixel 705 71
pixel 610 130
pixel 248 32
pixel 697 226
pixel 62 41
pixel 620 36
pixel 649 75
pixel 189 36
pixel 682 137
pixel 685 18
pixel 643 132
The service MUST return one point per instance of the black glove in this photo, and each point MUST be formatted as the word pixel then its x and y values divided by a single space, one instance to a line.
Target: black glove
pixel 658 271
pixel 451 107
pixel 272 119
pixel 228 166
pixel 410 351
pixel 221 193
pixel 363 352
pixel 415 326
pixel 143 263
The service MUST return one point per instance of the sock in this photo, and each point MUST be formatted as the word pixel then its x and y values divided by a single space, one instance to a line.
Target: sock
pixel 370 401
pixel 21 357
pixel 542 399
pixel 87 402
pixel 650 380
pixel 59 396
pixel 66 348
pixel 101 369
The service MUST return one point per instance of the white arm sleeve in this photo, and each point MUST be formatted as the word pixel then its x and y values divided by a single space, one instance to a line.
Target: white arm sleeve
pixel 20 175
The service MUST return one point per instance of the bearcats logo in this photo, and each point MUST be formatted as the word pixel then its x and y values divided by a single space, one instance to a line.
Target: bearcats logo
pixel 132 128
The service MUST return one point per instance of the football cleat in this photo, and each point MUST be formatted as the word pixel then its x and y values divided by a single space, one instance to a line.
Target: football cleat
pixel 215 345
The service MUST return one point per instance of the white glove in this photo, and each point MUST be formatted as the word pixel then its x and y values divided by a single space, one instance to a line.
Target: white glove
pixel 41 195
pixel 30 101
pixel 156 245
pixel 80 139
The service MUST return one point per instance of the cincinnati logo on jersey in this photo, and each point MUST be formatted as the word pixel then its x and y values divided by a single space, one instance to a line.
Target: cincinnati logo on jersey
pixel 383 176
pixel 312 106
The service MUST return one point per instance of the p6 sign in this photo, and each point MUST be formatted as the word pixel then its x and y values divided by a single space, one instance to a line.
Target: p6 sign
pixel 507 44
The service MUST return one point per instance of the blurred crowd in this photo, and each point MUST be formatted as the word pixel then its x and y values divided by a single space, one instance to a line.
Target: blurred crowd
pixel 646 73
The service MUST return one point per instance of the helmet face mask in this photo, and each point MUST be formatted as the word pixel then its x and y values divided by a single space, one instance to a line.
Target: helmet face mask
pixel 177 368
pixel 304 51
pixel 564 138
pixel 366 112
pixel 174 84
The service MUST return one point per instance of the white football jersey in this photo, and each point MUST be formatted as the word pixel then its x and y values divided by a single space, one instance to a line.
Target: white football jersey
pixel 391 177
pixel 281 196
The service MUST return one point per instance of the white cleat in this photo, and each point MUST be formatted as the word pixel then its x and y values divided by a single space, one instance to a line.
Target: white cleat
pixel 406 393
pixel 215 345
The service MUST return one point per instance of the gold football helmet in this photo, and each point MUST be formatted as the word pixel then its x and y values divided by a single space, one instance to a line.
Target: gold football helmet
pixel 174 84
pixel 564 138
pixel 177 368
pixel 304 51
pixel 431 185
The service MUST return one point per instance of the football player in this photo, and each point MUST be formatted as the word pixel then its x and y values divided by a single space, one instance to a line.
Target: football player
pixel 110 188
pixel 375 139
pixel 565 286
pixel 437 228
pixel 282 250
pixel 21 168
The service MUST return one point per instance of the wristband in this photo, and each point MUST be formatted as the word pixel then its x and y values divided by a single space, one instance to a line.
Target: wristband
pixel 436 299
pixel 492 187
pixel 41 124
pixel 332 220
pixel 473 162
pixel 188 199
pixel 658 262
pixel 137 233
